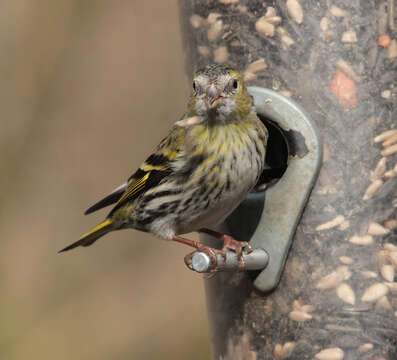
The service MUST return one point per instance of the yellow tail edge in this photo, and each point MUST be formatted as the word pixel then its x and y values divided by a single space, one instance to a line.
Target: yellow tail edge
pixel 91 236
pixel 96 228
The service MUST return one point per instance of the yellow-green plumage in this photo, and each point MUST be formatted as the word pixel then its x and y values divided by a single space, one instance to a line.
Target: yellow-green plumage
pixel 201 171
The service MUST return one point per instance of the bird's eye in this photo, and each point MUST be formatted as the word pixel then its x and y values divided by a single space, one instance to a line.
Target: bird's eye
pixel 235 83
pixel 194 85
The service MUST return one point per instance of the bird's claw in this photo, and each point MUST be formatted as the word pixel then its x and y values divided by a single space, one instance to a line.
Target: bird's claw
pixel 238 247
pixel 230 244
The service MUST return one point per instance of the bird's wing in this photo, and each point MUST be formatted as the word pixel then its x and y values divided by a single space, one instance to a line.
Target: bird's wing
pixel 156 167
pixel 113 197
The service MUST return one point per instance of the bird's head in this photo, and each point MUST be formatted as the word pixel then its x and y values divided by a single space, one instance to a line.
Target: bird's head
pixel 219 93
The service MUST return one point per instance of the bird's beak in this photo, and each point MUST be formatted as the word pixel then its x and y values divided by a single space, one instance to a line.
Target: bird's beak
pixel 213 94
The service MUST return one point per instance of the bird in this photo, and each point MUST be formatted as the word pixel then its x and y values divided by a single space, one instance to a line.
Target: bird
pixel 199 173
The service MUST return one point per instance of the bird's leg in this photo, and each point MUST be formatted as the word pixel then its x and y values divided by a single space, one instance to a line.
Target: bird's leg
pixel 188 242
pixel 211 252
pixel 229 243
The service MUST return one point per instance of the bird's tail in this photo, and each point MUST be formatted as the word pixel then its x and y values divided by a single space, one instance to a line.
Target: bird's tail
pixel 92 236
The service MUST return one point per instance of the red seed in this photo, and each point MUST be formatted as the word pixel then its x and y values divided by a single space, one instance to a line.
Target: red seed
pixel 345 89
pixel 384 40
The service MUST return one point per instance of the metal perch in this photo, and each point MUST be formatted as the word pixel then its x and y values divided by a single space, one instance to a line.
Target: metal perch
pixel 203 263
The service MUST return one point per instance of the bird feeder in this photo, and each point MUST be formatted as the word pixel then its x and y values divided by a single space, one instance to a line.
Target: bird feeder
pixel 327 288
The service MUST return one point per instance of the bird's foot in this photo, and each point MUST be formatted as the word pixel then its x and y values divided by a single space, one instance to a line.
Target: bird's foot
pixel 211 253
pixel 238 247
pixel 231 244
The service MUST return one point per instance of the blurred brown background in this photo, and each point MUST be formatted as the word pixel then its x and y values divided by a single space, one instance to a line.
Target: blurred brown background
pixel 88 88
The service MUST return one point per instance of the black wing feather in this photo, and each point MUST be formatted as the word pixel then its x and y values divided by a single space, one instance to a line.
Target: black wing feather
pixel 154 178
pixel 108 200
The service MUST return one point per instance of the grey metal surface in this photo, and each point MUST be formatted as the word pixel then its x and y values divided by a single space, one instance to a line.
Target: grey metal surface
pixel 284 202
pixel 255 260
pixel 201 262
